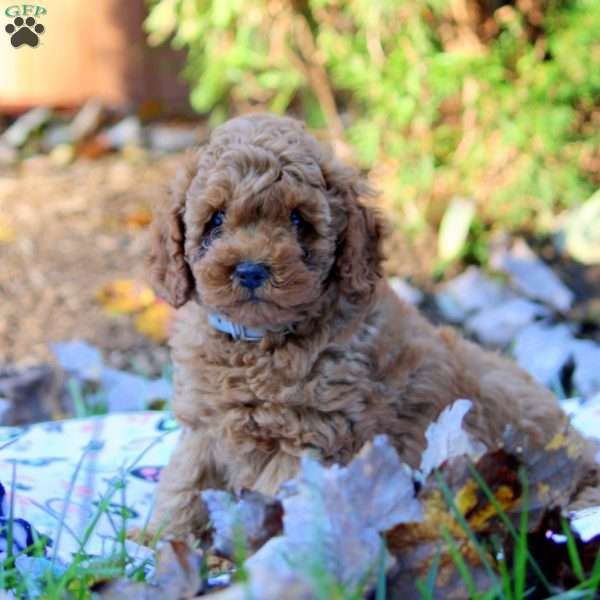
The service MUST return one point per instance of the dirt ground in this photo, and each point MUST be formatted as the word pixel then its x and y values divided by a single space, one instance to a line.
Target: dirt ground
pixel 74 229
pixel 73 234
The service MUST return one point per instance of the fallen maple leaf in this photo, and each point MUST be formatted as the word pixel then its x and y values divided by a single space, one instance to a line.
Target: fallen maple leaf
pixel 586 523
pixel 154 321
pixel 125 296
pixel 250 521
pixel 332 521
pixel 455 501
pixel 138 219
pixel 446 439
pixel 7 232
pixel 128 297
pixel 177 576
pixel 334 516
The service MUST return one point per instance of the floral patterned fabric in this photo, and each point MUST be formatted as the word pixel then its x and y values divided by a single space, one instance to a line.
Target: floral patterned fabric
pixel 67 469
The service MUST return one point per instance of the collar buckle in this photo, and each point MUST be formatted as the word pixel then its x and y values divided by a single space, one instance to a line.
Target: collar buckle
pixel 235 330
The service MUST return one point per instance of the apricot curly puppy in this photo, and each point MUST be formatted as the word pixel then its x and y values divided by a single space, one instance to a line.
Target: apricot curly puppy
pixel 290 340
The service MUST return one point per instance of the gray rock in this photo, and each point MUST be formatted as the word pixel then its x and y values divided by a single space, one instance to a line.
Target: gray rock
pixel 543 350
pixel 127 132
pixel 530 276
pixel 87 120
pixel 586 419
pixel 79 358
pixel 580 235
pixel 18 133
pixel 498 325
pixel 454 228
pixel 5 406
pixel 54 136
pixel 34 394
pixel 170 138
pixel 119 390
pixel 8 155
pixel 405 291
pixel 586 377
pixel 471 291
pixel 124 391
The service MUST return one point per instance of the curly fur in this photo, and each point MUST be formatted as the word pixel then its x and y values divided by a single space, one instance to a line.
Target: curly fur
pixel 358 362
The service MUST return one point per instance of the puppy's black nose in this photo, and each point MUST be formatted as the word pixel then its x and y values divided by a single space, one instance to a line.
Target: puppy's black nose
pixel 251 275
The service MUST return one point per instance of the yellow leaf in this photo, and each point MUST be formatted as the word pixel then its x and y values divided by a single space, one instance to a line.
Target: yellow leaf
pixel 7 233
pixel 466 498
pixel 154 321
pixel 505 497
pixel 125 296
pixel 138 219
pixel 559 441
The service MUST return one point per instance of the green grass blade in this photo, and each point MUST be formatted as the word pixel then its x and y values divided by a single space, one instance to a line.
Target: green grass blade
pixel 572 551
pixel 521 550
pixel 433 571
pixel 381 589
pixel 79 406
pixel 507 593
pixel 66 503
pixel 11 514
pixel 122 536
pixel 427 587
pixel 595 576
pixel 56 516
pixel 507 523
pixel 424 592
pixel 589 587
pixel 465 526
pixel 572 595
pixel 460 564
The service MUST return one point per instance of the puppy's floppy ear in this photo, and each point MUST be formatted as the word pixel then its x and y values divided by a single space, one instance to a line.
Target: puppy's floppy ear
pixel 361 232
pixel 169 273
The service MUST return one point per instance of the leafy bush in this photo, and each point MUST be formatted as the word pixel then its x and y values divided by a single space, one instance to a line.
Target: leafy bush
pixel 439 97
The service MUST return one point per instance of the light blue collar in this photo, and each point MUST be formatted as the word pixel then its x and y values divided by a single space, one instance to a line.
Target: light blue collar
pixel 237 332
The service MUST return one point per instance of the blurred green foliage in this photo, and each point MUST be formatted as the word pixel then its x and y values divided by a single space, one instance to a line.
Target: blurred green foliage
pixel 491 99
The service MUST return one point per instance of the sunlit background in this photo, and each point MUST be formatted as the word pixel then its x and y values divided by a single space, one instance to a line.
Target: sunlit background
pixel 478 120
pixel 479 123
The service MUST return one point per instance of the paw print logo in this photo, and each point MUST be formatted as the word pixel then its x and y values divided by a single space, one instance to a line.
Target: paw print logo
pixel 24 31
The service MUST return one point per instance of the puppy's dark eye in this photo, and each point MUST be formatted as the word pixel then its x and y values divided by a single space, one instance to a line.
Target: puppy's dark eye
pixel 297 219
pixel 211 229
pixel 216 220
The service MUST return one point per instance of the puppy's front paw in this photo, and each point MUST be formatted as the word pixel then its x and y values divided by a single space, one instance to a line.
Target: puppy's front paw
pixel 143 537
pixel 156 532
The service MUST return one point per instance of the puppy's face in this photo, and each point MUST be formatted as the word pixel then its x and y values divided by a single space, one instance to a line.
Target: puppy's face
pixel 262 223
pixel 259 243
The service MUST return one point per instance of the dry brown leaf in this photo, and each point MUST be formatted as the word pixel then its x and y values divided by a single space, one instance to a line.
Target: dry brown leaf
pixel 332 523
pixel 333 516
pixel 178 570
pixel 269 587
pixel 446 438
pixel 138 219
pixel 254 516
pixel 553 472
pixel 551 475
pixel 177 576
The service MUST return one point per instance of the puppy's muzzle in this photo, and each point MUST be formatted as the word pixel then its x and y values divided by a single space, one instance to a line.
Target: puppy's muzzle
pixel 251 275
